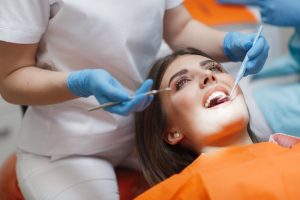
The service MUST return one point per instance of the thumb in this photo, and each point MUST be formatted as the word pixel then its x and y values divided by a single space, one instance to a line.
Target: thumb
pixel 145 87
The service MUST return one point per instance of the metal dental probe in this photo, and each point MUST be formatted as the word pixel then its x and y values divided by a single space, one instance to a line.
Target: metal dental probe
pixel 152 92
pixel 242 70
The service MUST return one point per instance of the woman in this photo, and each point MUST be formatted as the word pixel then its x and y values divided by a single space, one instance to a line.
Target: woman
pixel 194 119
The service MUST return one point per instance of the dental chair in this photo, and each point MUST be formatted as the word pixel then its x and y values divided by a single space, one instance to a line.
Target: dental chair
pixel 130 182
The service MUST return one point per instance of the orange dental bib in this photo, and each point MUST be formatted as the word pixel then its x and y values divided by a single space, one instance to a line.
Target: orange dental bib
pixel 256 171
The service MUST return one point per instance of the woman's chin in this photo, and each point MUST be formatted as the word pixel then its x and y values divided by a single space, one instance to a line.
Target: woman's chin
pixel 225 128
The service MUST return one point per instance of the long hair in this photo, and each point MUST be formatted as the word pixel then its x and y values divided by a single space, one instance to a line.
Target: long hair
pixel 159 159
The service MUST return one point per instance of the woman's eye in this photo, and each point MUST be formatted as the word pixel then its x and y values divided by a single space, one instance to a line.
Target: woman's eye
pixel 214 67
pixel 179 84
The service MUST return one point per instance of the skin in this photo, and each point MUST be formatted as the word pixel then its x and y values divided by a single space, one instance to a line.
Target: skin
pixel 21 82
pixel 202 129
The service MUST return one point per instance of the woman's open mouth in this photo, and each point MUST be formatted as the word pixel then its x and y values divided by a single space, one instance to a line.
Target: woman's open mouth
pixel 215 96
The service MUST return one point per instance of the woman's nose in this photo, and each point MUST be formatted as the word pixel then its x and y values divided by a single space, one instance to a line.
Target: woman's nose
pixel 208 79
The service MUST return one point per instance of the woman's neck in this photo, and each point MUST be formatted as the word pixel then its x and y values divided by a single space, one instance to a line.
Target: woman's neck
pixel 242 138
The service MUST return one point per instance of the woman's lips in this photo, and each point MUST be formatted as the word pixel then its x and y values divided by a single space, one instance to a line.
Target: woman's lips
pixel 211 97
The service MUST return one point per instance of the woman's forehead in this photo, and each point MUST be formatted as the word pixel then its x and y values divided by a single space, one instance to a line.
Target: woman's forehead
pixel 182 62
pixel 188 59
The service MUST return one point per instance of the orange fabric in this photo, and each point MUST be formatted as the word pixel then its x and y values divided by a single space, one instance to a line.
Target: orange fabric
pixel 9 189
pixel 258 171
pixel 131 183
pixel 212 13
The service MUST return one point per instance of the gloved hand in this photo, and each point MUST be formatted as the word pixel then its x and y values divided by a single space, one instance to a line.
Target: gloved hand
pixel 236 45
pixel 275 12
pixel 242 2
pixel 280 12
pixel 106 88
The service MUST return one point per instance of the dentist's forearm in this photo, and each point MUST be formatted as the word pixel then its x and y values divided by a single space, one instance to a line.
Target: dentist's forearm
pixel 35 86
pixel 202 37
pixel 181 30
pixel 21 82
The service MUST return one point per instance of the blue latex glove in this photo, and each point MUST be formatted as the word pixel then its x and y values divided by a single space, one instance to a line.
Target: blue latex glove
pixel 236 45
pixel 106 88
pixel 241 2
pixel 275 12
pixel 280 12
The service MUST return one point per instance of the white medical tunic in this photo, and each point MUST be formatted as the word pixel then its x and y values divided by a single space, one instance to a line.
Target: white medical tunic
pixel 120 36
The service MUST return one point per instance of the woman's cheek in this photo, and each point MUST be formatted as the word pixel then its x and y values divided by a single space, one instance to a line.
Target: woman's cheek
pixel 186 100
pixel 227 79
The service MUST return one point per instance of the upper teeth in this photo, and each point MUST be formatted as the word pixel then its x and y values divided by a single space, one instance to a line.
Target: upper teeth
pixel 217 94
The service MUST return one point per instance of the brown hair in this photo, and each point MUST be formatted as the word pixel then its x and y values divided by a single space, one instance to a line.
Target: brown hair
pixel 159 159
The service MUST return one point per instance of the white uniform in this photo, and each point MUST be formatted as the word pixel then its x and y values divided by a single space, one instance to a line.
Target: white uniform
pixel 120 36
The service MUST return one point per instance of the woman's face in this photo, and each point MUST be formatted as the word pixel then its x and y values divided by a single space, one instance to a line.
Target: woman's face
pixel 192 107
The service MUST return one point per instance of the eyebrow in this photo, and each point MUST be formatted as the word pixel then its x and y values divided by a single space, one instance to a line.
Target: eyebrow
pixel 205 62
pixel 181 72
pixel 185 71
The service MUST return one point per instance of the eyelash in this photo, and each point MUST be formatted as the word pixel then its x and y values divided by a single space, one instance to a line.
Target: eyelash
pixel 214 67
pixel 180 83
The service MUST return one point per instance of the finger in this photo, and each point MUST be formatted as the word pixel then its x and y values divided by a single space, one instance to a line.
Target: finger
pixel 258 49
pixel 255 66
pixel 102 99
pixel 115 91
pixel 138 103
pixel 120 109
pixel 114 82
pixel 116 110
pixel 266 12
pixel 128 107
pixel 264 6
pixel 145 87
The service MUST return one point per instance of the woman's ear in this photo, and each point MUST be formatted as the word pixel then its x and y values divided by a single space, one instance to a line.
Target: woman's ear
pixel 173 137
